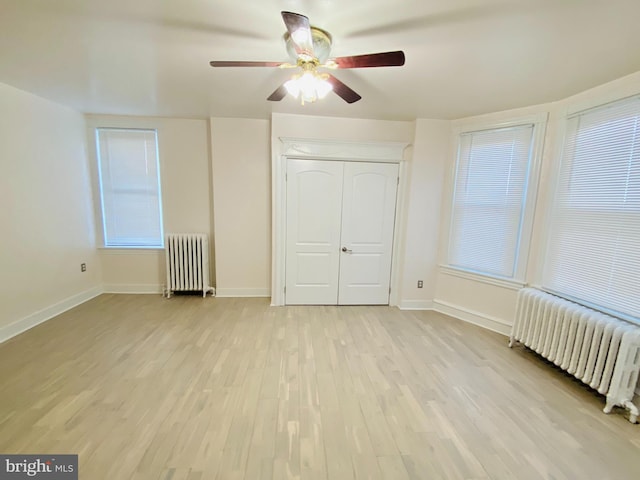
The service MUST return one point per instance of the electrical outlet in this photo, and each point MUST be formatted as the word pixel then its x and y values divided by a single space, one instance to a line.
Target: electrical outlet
pixel 83 267
pixel 420 283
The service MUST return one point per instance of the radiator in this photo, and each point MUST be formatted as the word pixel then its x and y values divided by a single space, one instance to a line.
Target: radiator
pixel 187 258
pixel 600 350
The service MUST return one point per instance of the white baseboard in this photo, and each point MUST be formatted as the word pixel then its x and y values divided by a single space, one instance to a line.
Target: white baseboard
pixel 133 288
pixel 243 292
pixel 476 318
pixel 416 305
pixel 41 316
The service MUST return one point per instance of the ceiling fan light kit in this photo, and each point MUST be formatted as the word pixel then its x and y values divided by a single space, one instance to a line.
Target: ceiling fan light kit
pixel 310 47
pixel 309 86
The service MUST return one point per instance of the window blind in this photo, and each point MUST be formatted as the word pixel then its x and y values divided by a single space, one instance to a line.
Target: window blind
pixel 129 187
pixel 489 198
pixel 593 252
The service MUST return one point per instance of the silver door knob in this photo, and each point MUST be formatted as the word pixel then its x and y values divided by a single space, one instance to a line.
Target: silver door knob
pixel 346 250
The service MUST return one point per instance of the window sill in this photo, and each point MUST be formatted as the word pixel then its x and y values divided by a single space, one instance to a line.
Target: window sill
pixel 130 250
pixel 482 278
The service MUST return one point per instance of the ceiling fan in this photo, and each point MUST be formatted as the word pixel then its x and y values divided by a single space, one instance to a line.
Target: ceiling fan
pixel 310 47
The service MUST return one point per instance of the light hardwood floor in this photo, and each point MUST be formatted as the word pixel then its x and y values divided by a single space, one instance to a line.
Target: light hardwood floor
pixel 193 389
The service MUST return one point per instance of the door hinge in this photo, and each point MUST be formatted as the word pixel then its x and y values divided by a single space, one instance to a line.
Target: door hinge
pixel 398 180
pixel 285 290
pixel 389 289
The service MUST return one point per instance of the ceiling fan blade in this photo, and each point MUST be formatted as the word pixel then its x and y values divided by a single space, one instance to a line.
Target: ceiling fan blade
pixel 216 63
pixel 300 32
pixel 344 92
pixel 278 94
pixel 384 59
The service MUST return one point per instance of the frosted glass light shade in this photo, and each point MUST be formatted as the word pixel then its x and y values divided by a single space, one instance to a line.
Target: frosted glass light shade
pixel 292 87
pixel 309 86
pixel 321 44
pixel 323 88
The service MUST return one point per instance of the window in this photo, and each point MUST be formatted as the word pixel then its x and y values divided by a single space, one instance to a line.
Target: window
pixel 489 199
pixel 129 187
pixel 593 251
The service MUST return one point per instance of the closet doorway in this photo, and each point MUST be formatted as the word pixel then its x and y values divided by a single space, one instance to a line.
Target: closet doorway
pixel 340 218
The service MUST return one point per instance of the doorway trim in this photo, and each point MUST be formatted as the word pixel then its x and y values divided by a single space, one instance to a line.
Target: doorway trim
pixel 348 151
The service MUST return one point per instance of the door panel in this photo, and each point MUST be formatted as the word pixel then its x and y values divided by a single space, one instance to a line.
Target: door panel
pixel 314 203
pixel 368 218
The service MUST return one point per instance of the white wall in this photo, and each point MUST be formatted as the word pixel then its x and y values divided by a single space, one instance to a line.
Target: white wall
pixel 422 223
pixel 493 305
pixel 242 204
pixel 185 176
pixel 242 194
pixel 352 129
pixel 46 215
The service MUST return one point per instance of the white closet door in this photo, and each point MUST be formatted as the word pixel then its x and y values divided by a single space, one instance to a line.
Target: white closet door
pixel 314 203
pixel 368 218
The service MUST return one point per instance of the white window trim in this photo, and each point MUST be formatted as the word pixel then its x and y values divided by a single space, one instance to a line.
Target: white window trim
pixel 539 121
pixel 561 115
pixel 132 250
pixel 560 112
pixel 481 277
pixel 94 129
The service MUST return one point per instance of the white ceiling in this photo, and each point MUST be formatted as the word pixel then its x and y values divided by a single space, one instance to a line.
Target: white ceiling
pixel 463 57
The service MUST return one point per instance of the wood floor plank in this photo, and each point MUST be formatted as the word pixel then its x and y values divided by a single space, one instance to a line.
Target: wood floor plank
pixel 146 388
pixel 392 466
